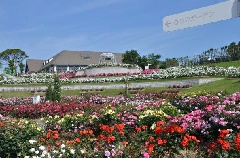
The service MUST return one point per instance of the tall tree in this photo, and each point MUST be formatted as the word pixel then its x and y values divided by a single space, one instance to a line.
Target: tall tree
pixel 14 57
pixel 131 57
pixel 154 60
pixel 21 67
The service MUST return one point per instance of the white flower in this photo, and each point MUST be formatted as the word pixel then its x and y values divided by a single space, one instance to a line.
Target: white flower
pixel 63 150
pixel 32 141
pixel 72 151
pixel 26 156
pixel 42 147
pixel 63 146
pixel 32 150
pixel 36 152
pixel 55 151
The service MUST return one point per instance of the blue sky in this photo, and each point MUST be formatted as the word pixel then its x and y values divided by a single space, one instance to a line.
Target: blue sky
pixel 43 28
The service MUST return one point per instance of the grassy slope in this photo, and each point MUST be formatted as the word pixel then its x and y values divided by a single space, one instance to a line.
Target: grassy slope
pixel 228 85
pixel 227 64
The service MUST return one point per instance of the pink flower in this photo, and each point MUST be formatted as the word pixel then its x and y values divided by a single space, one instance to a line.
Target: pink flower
pixel 145 155
pixel 107 153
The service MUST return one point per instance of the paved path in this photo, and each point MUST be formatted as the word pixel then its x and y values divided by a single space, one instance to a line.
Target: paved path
pixel 117 86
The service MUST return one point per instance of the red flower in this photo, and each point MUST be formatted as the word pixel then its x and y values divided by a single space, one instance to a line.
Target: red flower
pixel 160 123
pixel 145 127
pixel 184 142
pixel 48 135
pixel 223 133
pixel 237 141
pixel 57 143
pixel 90 132
pixel 77 140
pixel 120 127
pixel 55 134
pixel 1 124
pixel 161 141
pixel 138 129
pixel 70 142
pixel 158 130
pixel 110 139
pixel 150 148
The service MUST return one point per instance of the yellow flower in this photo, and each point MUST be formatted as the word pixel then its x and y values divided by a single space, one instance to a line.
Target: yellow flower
pixel 153 126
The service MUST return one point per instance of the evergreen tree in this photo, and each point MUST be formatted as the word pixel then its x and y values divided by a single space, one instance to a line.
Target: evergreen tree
pixel 56 93
pixel 48 93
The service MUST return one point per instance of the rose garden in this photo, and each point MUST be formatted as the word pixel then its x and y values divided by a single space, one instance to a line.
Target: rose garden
pixel 163 123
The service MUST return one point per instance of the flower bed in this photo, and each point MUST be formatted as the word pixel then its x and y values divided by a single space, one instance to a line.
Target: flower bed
pixel 146 125
pixel 174 72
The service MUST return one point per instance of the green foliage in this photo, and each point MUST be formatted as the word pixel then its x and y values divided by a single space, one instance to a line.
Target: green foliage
pixel 11 66
pixel 154 60
pixel 131 57
pixel 56 93
pixel 13 57
pixel 14 136
pixel 48 93
pixel 21 67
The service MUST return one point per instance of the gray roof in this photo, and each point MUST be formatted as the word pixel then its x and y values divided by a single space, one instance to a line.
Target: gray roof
pixel 77 58
pixel 33 65
pixel 74 58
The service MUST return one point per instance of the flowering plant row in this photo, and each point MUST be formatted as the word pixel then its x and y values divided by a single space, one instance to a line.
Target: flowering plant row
pixel 146 125
pixel 174 72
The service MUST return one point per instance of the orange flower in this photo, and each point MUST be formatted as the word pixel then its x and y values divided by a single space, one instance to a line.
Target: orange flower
pixel 101 136
pixel 48 147
pixel 57 143
pixel 224 144
pixel 145 127
pixel 120 127
pixel 48 135
pixel 90 132
pixel 55 134
pixel 212 145
pixel 110 129
pixel 150 148
pixel 42 139
pixel 184 142
pixel 77 140
pixel 1 124
pixel 151 138
pixel 70 142
pixel 110 139
pixel 160 123
pixel 158 130
pixel 161 141
pixel 138 129
pixel 223 133
pixel 237 141
pixel 124 143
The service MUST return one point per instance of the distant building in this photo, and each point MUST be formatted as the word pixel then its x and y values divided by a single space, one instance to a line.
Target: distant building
pixel 71 60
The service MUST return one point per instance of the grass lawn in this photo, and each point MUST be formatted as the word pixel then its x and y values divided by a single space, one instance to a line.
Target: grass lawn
pixel 227 85
pixel 226 64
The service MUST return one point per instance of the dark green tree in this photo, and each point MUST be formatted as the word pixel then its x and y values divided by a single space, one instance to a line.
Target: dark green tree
pixel 142 62
pixel 171 62
pixel 21 67
pixel 15 56
pixel 11 66
pixel 48 94
pixel 56 93
pixel 154 60
pixel 131 57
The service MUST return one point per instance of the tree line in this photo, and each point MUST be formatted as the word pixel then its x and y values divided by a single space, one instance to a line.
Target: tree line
pixel 230 52
pixel 15 57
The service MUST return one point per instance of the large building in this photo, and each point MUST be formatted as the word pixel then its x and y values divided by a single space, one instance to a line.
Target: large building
pixel 71 60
